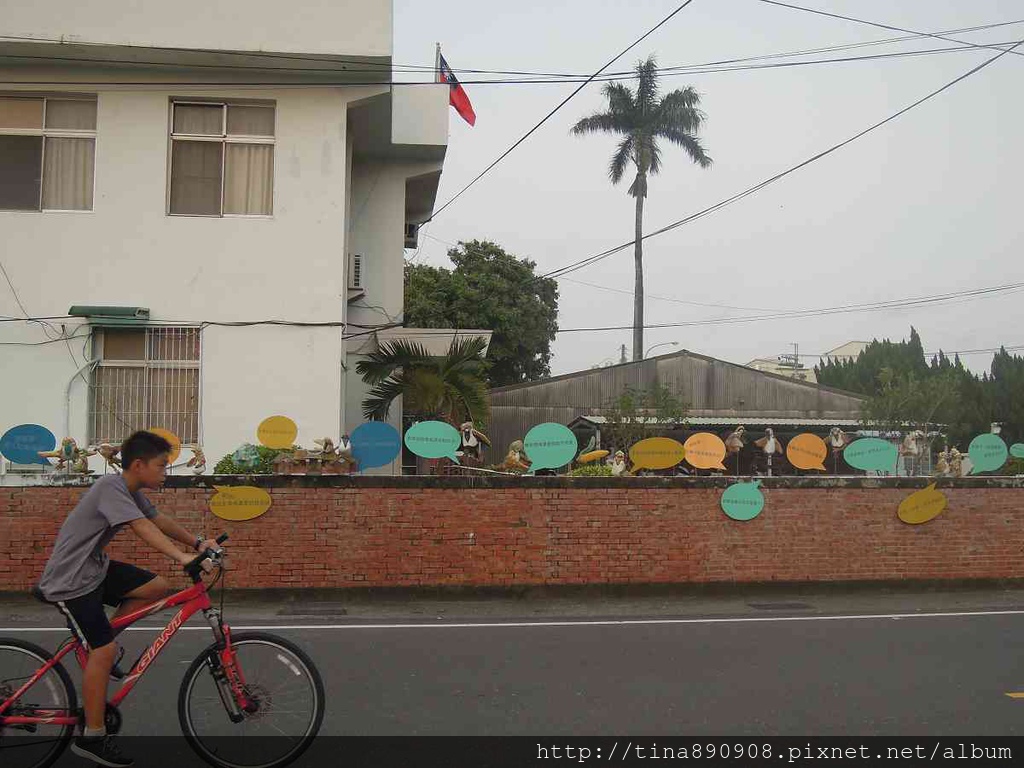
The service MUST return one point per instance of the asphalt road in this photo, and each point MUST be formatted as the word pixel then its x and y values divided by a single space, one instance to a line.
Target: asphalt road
pixel 808 664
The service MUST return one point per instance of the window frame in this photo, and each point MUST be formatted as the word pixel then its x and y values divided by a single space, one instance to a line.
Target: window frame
pixel 224 139
pixel 54 133
pixel 147 364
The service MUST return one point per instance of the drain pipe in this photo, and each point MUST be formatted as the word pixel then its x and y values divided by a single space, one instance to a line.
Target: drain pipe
pixel 67 394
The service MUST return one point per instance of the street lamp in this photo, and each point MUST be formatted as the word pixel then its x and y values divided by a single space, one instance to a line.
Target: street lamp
pixel 663 344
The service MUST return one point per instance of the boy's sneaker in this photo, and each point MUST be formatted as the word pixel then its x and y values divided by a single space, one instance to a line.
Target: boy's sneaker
pixel 102 750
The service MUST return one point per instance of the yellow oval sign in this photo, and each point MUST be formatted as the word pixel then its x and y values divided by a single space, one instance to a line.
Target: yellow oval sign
pixel 586 458
pixel 807 451
pixel 922 506
pixel 239 502
pixel 171 438
pixel 705 451
pixel 656 453
pixel 277 432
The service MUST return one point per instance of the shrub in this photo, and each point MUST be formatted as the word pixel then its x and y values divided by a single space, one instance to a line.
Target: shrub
pixel 597 469
pixel 264 465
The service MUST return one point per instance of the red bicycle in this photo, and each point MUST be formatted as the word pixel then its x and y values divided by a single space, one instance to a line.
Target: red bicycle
pixel 249 684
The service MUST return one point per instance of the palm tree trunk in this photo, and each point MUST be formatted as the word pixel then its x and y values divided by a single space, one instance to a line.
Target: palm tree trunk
pixel 638 286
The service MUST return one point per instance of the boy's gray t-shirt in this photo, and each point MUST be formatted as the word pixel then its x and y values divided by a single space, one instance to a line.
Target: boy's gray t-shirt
pixel 78 563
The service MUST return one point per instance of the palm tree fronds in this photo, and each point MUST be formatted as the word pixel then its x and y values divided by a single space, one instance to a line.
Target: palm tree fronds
pixel 689 143
pixel 622 156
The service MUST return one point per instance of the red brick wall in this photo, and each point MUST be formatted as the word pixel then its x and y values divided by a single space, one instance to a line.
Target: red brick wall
pixel 358 535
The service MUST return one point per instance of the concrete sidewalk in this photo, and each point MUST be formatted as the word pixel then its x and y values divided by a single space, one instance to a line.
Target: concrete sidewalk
pixel 585 602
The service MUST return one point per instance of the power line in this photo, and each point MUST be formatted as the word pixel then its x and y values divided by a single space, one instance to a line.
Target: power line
pixel 564 101
pixel 875 306
pixel 937 36
pixel 582 263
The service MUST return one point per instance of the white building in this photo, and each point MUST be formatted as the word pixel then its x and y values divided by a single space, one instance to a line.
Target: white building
pixel 218 163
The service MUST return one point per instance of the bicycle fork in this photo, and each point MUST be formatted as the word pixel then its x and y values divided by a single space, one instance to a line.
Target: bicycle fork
pixel 227 676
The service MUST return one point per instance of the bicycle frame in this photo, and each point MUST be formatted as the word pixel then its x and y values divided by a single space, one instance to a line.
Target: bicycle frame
pixel 192 600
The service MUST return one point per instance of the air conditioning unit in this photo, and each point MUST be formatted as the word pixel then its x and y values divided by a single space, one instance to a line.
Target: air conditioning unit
pixel 355 273
pixel 412 235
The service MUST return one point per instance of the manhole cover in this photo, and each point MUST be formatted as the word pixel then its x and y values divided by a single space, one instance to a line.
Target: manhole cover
pixel 778 606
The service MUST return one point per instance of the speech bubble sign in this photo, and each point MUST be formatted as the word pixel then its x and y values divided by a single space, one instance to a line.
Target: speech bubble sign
pixel 433 440
pixel 171 438
pixel 375 444
pixel 21 444
pixel 705 451
pixel 987 452
pixel 922 506
pixel 589 456
pixel 871 453
pixel 743 501
pixel 277 432
pixel 246 456
pixel 807 451
pixel 1017 450
pixel 550 446
pixel 239 502
pixel 656 453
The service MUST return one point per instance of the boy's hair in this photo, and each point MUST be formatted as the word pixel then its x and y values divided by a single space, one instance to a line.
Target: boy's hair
pixel 142 445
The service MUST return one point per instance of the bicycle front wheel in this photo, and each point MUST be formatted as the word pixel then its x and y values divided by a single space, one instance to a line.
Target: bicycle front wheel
pixel 288 704
pixel 35 745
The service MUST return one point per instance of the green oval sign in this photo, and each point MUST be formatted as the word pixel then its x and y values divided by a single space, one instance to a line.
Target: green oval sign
pixel 987 452
pixel 433 440
pixel 871 453
pixel 550 446
pixel 1017 450
pixel 743 501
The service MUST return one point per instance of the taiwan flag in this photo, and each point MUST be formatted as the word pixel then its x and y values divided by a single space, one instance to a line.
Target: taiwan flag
pixel 457 94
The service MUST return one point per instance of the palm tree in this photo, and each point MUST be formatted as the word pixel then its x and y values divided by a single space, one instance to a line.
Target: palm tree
pixel 642 118
pixel 449 388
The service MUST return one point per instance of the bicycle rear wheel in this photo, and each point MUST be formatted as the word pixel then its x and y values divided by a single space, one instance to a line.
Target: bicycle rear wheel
pixel 38 745
pixel 289 704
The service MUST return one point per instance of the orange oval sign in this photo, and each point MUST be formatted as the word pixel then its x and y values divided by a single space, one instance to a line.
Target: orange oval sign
pixel 171 438
pixel 705 451
pixel 922 506
pixel 656 453
pixel 277 432
pixel 807 451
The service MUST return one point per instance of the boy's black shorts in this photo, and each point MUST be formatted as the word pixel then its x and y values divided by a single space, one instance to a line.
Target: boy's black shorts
pixel 85 615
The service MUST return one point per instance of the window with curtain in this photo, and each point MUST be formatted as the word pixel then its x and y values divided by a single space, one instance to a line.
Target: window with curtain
pixel 47 153
pixel 146 378
pixel 222 159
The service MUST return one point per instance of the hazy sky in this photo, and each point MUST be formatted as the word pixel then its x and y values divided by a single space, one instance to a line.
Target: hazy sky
pixel 928 204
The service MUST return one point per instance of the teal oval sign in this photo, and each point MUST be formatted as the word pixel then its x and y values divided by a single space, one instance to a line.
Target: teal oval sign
pixel 433 440
pixel 22 444
pixel 550 446
pixel 375 444
pixel 1017 450
pixel 871 453
pixel 743 501
pixel 987 452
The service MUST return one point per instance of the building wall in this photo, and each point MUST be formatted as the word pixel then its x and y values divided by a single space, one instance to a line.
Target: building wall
pixel 353 27
pixel 128 251
pixel 369 532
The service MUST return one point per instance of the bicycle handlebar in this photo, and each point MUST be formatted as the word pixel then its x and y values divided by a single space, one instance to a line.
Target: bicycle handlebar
pixel 195 567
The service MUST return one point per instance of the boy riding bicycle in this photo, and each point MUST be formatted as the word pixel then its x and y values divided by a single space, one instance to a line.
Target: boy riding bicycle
pixel 80 578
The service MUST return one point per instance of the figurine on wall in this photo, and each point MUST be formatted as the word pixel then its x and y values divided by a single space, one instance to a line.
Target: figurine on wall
pixel 956 462
pixel 69 456
pixel 473 441
pixel 913 447
pixel 516 459
pixel 198 461
pixel 771 446
pixel 837 442
pixel 110 454
pixel 620 468
pixel 734 444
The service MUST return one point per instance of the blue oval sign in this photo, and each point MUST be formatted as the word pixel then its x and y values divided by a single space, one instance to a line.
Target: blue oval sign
pixel 375 444
pixel 21 444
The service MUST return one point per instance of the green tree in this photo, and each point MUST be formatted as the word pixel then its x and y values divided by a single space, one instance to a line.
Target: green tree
pixel 641 118
pixel 628 416
pixel 491 289
pixel 450 388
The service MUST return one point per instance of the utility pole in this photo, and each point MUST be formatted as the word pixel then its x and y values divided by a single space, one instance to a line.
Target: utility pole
pixel 622 354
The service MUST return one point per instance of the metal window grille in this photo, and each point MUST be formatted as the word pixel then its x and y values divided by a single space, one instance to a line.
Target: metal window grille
pixel 146 378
